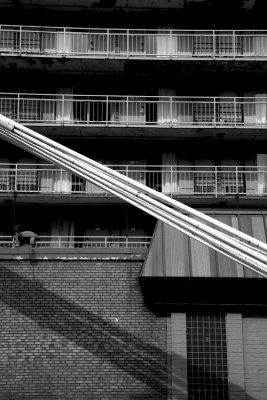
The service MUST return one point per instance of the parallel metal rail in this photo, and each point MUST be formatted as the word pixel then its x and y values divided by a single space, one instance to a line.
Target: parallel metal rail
pixel 243 248
pixel 133 43
pixel 169 179
pixel 135 111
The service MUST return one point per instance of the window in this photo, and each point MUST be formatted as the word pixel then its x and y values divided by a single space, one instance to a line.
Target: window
pixel 207 357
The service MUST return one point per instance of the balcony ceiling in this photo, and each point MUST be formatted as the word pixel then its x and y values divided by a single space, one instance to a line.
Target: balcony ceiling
pixel 197 14
pixel 133 66
pixel 244 5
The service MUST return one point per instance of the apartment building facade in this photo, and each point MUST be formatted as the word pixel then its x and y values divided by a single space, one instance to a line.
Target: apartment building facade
pixel 110 303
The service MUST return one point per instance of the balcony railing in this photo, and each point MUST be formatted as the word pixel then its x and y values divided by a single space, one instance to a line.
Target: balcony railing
pixel 172 180
pixel 129 43
pixel 58 242
pixel 135 111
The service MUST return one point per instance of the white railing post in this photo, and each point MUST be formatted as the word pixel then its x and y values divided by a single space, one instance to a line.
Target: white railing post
pixel 16 178
pixel 20 42
pixel 61 180
pixel 235 111
pixel 108 43
pixel 214 111
pixel 64 41
pixel 236 178
pixel 18 107
pixel 63 109
pixel 127 43
pixel 171 181
pixel 107 102
pixel 171 111
pixel 170 48
pixel 234 45
pixel 214 43
pixel 216 181
pixel 127 110
pixel 106 242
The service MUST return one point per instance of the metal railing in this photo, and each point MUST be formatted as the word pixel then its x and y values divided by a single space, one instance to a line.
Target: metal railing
pixel 135 111
pixel 58 242
pixel 133 43
pixel 172 180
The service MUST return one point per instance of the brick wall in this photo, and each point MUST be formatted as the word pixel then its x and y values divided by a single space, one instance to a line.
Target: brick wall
pixel 72 330
pixel 255 357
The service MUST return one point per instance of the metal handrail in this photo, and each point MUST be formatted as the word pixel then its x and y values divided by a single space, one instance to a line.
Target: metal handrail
pixel 132 43
pixel 155 30
pixel 135 111
pixel 170 179
pixel 54 241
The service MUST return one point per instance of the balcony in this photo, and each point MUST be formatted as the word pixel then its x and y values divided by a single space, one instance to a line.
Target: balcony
pixel 90 242
pixel 132 44
pixel 135 111
pixel 211 181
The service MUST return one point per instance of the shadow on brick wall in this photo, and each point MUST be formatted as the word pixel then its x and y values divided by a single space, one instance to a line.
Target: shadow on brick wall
pixel 127 352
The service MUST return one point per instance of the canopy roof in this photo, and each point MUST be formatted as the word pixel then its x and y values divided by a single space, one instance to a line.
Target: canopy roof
pixel 174 254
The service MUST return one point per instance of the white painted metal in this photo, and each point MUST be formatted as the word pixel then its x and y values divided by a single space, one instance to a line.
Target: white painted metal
pixel 206 181
pixel 234 244
pixel 133 43
pixel 142 186
pixel 83 241
pixel 157 215
pixel 135 111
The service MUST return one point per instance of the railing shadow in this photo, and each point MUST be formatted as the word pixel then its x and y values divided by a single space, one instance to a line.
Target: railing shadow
pixel 128 352
pixel 141 360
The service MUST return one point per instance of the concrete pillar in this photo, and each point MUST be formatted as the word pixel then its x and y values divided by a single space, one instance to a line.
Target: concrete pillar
pixel 235 357
pixel 177 357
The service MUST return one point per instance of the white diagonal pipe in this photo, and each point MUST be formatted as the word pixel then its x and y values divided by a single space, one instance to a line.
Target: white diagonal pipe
pixel 12 126
pixel 188 219
pixel 185 228
pixel 39 151
pixel 221 236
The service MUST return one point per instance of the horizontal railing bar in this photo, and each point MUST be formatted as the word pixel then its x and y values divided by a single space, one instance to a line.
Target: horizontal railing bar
pixel 132 43
pixel 80 241
pixel 41 237
pixel 141 167
pixel 115 110
pixel 158 30
pixel 129 98
pixel 209 180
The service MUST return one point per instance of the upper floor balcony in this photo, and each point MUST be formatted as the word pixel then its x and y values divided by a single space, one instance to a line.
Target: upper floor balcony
pixel 62 42
pixel 135 111
pixel 89 242
pixel 203 181
pixel 74 247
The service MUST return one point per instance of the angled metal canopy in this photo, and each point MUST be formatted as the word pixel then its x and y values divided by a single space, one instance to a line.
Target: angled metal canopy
pixel 234 244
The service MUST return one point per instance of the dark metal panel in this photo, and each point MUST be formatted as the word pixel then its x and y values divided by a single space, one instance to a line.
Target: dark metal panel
pixel 164 295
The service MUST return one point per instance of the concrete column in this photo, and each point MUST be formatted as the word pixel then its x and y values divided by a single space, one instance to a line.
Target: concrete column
pixel 235 357
pixel 177 358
